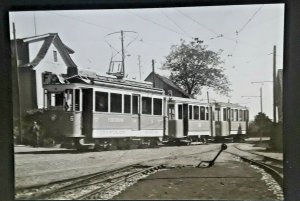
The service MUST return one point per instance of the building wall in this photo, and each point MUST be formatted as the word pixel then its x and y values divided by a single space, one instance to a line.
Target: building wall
pixel 27 89
pixel 162 85
pixel 46 64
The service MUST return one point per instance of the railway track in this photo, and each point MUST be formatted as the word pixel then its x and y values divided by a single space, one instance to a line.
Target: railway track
pixel 271 165
pixel 87 186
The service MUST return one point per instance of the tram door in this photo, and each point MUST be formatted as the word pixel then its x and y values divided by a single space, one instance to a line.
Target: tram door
pixel 218 122
pixel 136 111
pixel 87 112
pixel 185 119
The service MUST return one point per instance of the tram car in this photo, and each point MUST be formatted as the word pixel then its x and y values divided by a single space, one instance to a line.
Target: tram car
pixel 109 113
pixel 190 120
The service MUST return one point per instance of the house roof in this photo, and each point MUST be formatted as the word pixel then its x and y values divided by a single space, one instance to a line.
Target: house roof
pixel 50 38
pixel 168 82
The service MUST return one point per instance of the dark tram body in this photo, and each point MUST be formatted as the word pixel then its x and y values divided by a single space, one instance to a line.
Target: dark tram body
pixel 112 113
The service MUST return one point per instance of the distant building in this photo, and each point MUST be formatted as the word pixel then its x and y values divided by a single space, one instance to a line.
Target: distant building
pixel 279 96
pixel 167 85
pixel 37 56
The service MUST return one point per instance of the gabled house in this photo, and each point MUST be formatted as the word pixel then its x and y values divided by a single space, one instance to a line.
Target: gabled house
pixel 167 85
pixel 38 55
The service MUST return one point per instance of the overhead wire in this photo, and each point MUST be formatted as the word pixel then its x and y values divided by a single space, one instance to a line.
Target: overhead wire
pixel 153 22
pixel 177 25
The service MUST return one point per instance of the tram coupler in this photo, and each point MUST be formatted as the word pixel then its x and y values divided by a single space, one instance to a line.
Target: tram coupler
pixel 205 164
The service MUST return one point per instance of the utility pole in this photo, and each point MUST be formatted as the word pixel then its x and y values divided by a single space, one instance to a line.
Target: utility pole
pixel 153 73
pixel 261 101
pixel 274 84
pixel 139 58
pixel 17 84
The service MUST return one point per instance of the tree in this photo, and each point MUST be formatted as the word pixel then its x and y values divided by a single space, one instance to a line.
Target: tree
pixel 261 126
pixel 193 66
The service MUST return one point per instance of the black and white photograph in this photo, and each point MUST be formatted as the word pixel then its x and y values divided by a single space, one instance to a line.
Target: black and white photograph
pixel 148 103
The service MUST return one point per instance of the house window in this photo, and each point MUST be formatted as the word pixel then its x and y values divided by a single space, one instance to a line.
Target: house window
pixel 54 56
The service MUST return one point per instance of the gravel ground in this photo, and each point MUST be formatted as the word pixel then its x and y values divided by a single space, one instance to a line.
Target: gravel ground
pixel 36 168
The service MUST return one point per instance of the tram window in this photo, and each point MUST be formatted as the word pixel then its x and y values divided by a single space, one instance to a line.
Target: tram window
pixel 68 100
pixel 157 104
pixel 217 114
pixel 101 101
pixel 231 115
pixel 190 112
pixel 116 103
pixel 146 105
pixel 77 99
pixel 179 111
pixel 236 115
pixel 224 114
pixel 207 113
pixel 171 112
pixel 202 113
pixel 55 99
pixel 127 104
pixel 241 115
pixel 196 112
pixel 135 104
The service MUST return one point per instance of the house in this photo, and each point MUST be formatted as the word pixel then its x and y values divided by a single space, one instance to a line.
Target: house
pixel 38 55
pixel 167 85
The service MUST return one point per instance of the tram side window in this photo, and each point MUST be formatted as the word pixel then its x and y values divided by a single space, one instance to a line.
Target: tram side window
pixel 135 104
pixel 241 115
pixel 157 104
pixel 171 112
pixel 179 111
pixel 55 99
pixel 77 99
pixel 68 100
pixel 202 113
pixel 116 103
pixel 224 114
pixel 196 112
pixel 127 104
pixel 101 101
pixel 146 105
pixel 190 112
pixel 207 113
pixel 236 115
pixel 231 115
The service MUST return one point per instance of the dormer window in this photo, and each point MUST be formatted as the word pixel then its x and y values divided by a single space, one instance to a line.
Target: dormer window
pixel 54 56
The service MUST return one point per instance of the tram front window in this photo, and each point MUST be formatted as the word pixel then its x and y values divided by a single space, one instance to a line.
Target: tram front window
pixel 60 100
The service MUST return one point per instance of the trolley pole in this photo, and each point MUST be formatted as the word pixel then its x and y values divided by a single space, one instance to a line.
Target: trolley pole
pixel 123 54
pixel 274 84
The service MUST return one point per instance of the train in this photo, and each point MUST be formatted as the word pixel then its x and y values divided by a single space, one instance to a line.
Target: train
pixel 106 113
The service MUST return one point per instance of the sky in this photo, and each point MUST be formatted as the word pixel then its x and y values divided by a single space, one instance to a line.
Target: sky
pixel 245 33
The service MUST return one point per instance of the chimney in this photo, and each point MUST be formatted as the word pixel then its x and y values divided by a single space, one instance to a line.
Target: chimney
pixel 71 71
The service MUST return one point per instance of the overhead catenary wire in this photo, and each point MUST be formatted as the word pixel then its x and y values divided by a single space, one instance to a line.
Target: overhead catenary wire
pixel 83 21
pixel 176 24
pixel 158 24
